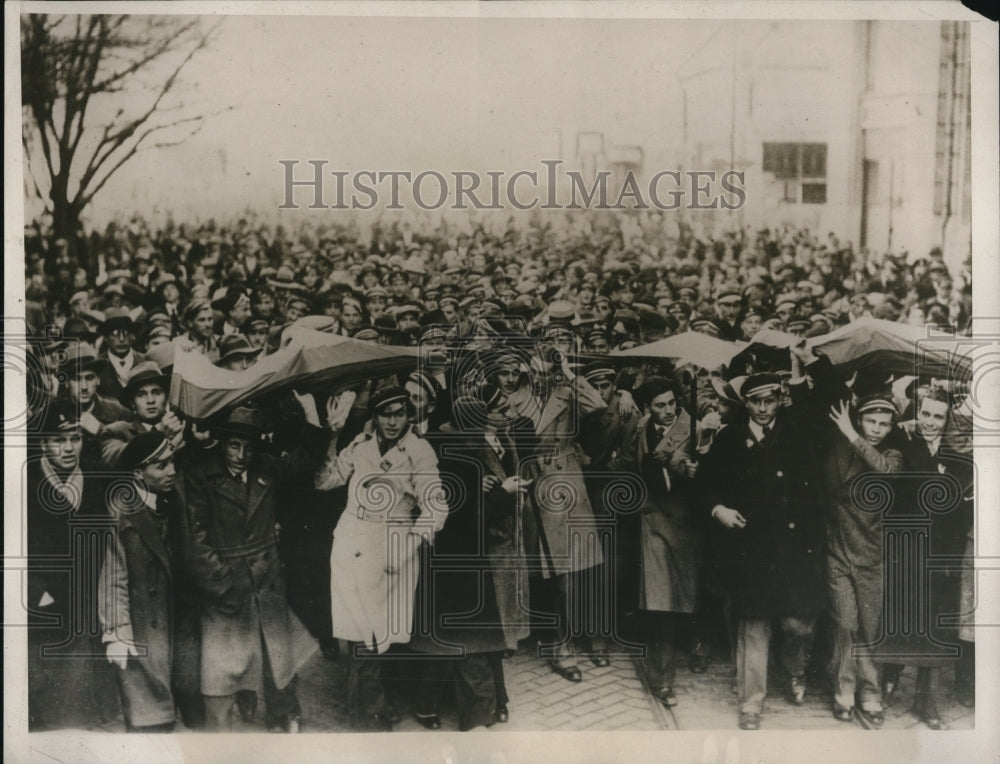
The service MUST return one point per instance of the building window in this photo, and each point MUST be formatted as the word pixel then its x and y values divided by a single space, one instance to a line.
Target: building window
pixel 801 167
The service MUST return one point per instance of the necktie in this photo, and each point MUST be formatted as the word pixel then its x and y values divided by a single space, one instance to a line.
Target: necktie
pixel 766 429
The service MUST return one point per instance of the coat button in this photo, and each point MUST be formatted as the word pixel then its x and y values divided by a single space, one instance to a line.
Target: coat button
pixel 155 624
pixel 357 554
pixel 153 592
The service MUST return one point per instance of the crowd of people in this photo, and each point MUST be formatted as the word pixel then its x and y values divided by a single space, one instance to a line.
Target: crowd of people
pixel 518 485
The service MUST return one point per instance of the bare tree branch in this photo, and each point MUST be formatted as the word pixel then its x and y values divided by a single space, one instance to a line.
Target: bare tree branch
pixel 68 60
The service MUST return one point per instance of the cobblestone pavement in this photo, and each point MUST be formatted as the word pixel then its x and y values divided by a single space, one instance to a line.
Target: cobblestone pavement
pixel 610 698
pixel 615 698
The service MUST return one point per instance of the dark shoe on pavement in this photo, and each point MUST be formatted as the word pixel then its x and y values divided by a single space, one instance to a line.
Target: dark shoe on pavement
pixel 502 714
pixel 876 717
pixel 429 721
pixel 601 659
pixel 928 713
pixel 842 713
pixel 749 721
pixel 570 673
pixel 797 690
pixel 666 696
pixel 890 682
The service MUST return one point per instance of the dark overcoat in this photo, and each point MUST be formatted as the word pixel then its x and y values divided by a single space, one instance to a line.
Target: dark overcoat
pixel 137 603
pixel 474 579
pixel 773 566
pixel 70 683
pixel 232 558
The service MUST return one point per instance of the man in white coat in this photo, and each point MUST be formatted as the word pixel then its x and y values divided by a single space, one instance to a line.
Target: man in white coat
pixel 395 500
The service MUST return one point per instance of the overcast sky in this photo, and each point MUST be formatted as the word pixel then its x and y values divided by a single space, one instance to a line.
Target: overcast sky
pixel 387 94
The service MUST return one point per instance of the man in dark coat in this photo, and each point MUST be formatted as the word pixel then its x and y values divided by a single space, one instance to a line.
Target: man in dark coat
pixel 69 682
pixel 137 608
pixel 670 532
pixel 609 441
pixel 474 605
pixel 249 635
pixel 761 482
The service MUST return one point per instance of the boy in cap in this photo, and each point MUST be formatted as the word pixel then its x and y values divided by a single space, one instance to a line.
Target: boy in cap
pixel 68 683
pixel 136 605
pixel 854 550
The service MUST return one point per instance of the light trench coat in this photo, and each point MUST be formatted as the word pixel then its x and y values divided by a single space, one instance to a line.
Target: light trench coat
pixel 392 501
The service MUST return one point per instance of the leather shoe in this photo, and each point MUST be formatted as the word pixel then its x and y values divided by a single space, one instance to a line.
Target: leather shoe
pixel 431 722
pixel 570 673
pixel 842 713
pixel 378 723
pixel 502 714
pixel 930 716
pixel 874 718
pixel 666 696
pixel 749 721
pixel 601 659
pixel 797 690
pixel 890 682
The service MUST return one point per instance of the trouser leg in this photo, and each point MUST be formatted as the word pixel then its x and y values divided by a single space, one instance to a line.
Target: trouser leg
pixel 563 654
pixel 282 702
pixel 797 637
pixel 868 582
pixel 475 692
pixel 365 693
pixel 844 607
pixel 433 677
pixel 218 709
pixel 499 683
pixel 753 638
pixel 660 650
pixel 965 668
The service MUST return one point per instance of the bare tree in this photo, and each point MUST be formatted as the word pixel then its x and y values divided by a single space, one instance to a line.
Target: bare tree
pixel 96 90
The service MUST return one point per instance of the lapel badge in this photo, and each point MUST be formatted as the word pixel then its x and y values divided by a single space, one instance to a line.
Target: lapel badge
pixel 385 465
pixel 750 442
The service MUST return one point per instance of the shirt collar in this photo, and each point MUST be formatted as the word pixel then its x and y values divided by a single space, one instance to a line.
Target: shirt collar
pixel 241 476
pixel 147 497
pixel 758 430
